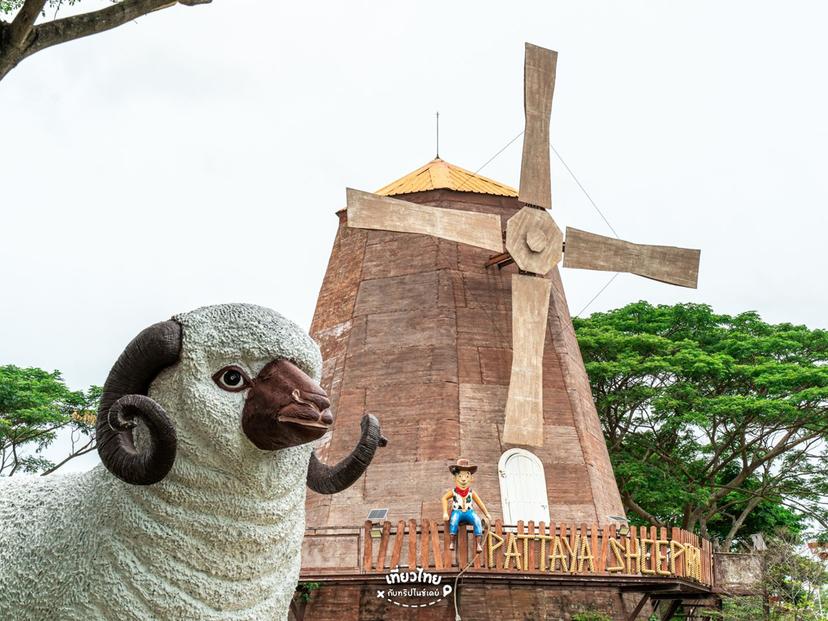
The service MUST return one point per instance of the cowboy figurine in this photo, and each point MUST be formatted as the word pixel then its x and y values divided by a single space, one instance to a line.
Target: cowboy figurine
pixel 462 509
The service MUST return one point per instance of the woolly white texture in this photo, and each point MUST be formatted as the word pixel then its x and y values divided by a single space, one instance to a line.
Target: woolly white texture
pixel 219 538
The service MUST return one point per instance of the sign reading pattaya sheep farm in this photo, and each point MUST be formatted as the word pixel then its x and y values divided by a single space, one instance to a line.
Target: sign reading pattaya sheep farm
pixel 577 554
pixel 539 549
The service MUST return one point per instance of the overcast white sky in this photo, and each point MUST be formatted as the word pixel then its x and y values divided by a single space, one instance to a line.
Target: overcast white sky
pixel 198 155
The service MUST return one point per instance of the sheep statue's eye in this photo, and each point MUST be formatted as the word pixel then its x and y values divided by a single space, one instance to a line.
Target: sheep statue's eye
pixel 231 379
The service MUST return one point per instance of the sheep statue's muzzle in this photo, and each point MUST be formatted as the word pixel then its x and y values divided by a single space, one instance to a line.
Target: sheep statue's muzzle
pixel 285 407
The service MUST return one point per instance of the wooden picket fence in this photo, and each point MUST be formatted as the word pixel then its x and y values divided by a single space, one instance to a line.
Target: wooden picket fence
pixel 553 549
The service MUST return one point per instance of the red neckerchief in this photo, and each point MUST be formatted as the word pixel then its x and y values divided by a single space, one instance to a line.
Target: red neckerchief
pixel 463 492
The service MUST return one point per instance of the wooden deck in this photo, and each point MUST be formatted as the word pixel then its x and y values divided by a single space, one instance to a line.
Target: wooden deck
pixel 530 551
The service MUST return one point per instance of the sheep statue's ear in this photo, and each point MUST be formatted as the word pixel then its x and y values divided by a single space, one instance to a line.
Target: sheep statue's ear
pixel 125 399
pixel 325 479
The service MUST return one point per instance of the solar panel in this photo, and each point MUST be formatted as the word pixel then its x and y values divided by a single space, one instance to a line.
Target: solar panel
pixel 376 515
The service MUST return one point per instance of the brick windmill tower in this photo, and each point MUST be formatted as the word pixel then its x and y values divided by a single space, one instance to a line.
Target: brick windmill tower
pixel 463 348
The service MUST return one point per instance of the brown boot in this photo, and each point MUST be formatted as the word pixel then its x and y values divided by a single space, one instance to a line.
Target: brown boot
pixel 479 541
pixel 452 542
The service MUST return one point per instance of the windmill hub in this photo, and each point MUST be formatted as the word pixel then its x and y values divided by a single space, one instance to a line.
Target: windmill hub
pixel 536 240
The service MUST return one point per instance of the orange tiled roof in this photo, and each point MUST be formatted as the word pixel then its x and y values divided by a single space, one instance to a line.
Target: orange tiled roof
pixel 438 174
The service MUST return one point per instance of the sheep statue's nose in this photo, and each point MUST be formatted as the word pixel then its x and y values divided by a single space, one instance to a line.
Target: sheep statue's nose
pixel 285 407
pixel 312 409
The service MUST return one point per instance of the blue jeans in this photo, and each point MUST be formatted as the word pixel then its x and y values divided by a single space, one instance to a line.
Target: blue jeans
pixel 467 517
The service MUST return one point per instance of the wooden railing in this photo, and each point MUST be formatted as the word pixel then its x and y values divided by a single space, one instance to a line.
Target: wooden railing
pixel 553 549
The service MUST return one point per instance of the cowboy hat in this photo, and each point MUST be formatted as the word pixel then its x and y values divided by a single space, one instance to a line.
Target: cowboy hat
pixel 462 464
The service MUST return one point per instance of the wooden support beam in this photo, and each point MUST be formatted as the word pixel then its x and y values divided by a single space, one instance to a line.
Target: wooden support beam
pixel 671 610
pixel 678 594
pixel 501 260
pixel 639 607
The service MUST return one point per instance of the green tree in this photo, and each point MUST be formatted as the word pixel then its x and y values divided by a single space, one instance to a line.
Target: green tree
pixel 34 406
pixel 24 35
pixel 793 578
pixel 713 422
pixel 792 582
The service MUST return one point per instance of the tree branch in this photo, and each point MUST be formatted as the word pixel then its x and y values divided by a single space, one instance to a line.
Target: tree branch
pixel 16 462
pixel 87 448
pixel 94 22
pixel 21 27
pixel 737 523
pixel 641 511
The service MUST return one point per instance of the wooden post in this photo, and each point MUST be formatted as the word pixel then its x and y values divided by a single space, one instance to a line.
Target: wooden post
pixel 520 548
pixel 607 533
pixel 383 546
pixel 500 551
pixel 476 558
pixel 448 561
pixel 663 567
pixel 424 544
pixel 574 544
pixel 564 534
pixel 529 563
pixel 595 543
pixel 435 545
pixel 542 548
pixel 697 543
pixel 566 544
pixel 633 552
pixel 584 537
pixel 396 551
pixel 703 560
pixel 677 560
pixel 462 546
pixel 412 543
pixel 367 550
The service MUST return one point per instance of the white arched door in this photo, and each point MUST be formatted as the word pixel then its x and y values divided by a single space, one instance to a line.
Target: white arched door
pixel 522 487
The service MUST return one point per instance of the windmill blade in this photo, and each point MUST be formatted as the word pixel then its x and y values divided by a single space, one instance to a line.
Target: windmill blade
pixel 524 403
pixel 538 86
pixel 381 213
pixel 589 251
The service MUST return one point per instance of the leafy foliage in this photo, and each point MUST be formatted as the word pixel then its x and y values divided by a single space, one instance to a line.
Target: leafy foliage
pixel 305 589
pixel 793 582
pixel 715 422
pixel 8 6
pixel 793 578
pixel 34 406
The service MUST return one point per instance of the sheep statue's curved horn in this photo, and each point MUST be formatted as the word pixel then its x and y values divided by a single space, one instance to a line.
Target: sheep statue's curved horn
pixel 325 479
pixel 125 398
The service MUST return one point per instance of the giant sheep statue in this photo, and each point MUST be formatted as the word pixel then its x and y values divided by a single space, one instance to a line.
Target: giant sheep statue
pixel 197 512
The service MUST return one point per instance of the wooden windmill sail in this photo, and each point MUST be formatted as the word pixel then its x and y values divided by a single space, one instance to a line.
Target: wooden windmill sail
pixel 534 242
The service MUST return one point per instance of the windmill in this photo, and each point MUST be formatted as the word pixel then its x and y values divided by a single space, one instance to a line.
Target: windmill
pixel 534 242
